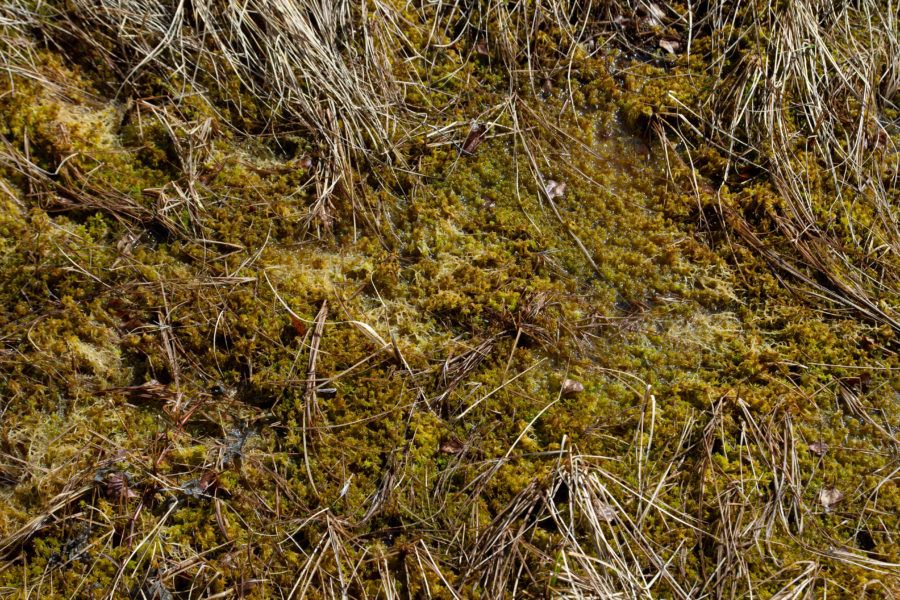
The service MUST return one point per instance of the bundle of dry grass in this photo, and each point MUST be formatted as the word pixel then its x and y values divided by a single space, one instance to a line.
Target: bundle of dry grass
pixel 805 94
pixel 321 67
pixel 335 70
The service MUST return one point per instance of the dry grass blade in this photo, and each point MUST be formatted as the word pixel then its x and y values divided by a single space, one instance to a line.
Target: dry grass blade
pixel 13 541
pixel 70 190
pixel 456 368
pixel 312 412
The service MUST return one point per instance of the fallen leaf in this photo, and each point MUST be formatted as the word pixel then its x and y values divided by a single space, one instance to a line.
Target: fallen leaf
pixel 555 189
pixel 298 325
pixel 209 480
pixel 570 387
pixel 818 448
pixel 369 332
pixel 474 138
pixel 605 511
pixel 451 446
pixel 830 497
pixel 117 486
pixel 670 46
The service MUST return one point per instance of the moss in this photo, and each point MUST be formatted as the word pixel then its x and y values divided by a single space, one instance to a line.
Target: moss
pixel 179 358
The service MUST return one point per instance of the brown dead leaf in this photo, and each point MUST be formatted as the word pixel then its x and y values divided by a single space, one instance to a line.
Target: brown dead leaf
pixel 298 325
pixel 117 487
pixel 605 511
pixel 818 448
pixel 474 138
pixel 451 446
pixel 570 387
pixel 830 497
pixel 208 481
pixel 670 46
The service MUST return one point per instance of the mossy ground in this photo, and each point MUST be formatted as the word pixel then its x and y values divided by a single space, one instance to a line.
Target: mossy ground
pixel 159 319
